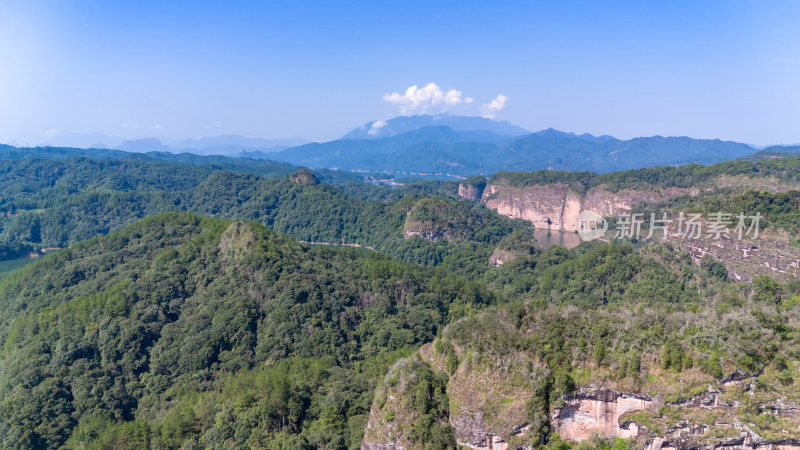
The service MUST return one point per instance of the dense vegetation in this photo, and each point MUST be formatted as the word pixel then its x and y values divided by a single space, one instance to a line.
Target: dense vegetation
pixel 651 339
pixel 776 209
pixel 55 203
pixel 690 175
pixel 179 329
pixel 259 167
pixel 182 329
pixel 219 330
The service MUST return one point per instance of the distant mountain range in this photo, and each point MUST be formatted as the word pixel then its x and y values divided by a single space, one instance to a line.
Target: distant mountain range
pixel 470 145
pixel 455 145
pixel 403 124
pixel 227 145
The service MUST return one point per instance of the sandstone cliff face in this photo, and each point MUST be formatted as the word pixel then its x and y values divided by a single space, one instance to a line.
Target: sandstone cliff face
pixel 543 206
pixel 612 414
pixel 598 411
pixel 469 192
pixel 557 207
pixel 607 412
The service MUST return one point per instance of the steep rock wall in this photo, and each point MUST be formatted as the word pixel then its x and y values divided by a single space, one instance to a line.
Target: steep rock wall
pixel 488 412
pixel 543 206
pixel 557 207
pixel 598 411
pixel 469 192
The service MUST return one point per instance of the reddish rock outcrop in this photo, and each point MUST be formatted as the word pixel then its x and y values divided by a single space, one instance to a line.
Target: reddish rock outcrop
pixel 557 207
pixel 597 411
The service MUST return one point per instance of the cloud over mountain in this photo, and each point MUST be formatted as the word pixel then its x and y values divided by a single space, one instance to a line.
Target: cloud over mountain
pixel 428 99
pixel 490 110
pixel 376 127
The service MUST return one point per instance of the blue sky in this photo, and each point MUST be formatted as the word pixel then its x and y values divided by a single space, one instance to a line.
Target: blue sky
pixel 715 69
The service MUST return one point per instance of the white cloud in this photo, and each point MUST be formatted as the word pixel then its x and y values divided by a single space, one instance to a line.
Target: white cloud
pixel 490 110
pixel 468 99
pixel 429 99
pixel 156 127
pixel 376 126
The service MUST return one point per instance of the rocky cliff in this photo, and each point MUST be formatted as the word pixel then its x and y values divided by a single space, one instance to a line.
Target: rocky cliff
pixel 487 410
pixel 468 191
pixel 487 413
pixel 598 411
pixel 500 398
pixel 557 207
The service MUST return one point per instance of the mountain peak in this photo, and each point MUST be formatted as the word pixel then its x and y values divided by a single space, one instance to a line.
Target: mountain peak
pixel 402 124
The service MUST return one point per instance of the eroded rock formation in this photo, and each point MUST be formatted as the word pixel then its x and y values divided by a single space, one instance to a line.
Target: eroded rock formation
pixel 598 411
pixel 557 207
pixel 469 192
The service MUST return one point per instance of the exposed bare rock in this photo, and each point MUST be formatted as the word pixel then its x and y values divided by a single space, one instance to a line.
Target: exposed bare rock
pixel 598 411
pixel 500 256
pixel 429 234
pixel 469 192
pixel 744 442
pixel 488 412
pixel 471 431
pixel 557 207
pixel 490 442
pixel 614 203
pixel 543 206
pixel 761 183
pixel 304 176
pixel 772 253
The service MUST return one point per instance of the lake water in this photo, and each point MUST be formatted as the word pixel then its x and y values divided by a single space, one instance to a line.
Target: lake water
pixel 548 238
pixel 14 264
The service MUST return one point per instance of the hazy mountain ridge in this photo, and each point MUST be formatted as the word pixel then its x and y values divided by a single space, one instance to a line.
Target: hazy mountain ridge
pixel 444 149
pixel 402 124
pixel 228 145
pixel 461 146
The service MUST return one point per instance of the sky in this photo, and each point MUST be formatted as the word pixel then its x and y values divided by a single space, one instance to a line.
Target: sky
pixel 711 69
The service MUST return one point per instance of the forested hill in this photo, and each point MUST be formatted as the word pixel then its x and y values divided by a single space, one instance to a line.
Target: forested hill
pixel 55 203
pixel 785 167
pixel 218 162
pixel 184 329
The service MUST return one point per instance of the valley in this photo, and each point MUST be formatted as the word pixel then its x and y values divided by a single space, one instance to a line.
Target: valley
pixel 521 334
pixel 433 225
